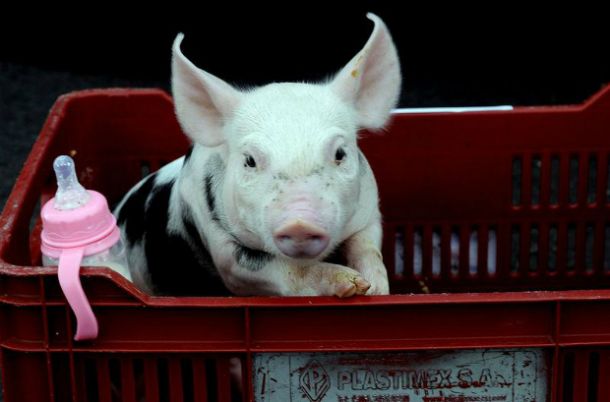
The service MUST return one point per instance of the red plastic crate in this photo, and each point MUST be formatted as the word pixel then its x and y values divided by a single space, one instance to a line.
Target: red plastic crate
pixel 535 177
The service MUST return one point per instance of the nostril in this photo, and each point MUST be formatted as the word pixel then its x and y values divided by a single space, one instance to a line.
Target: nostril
pixel 301 240
pixel 319 238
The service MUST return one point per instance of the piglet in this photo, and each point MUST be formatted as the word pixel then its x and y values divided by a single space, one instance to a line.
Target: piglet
pixel 273 185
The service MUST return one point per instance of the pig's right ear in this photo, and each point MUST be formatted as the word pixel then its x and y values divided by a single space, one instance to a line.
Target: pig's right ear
pixel 203 102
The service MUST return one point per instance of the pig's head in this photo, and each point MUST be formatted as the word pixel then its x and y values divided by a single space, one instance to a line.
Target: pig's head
pixel 292 170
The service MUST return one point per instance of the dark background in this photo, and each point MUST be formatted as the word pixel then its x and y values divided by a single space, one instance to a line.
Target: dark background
pixel 460 55
pixel 510 54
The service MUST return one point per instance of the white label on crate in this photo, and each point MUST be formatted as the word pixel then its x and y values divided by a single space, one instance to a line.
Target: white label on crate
pixel 430 376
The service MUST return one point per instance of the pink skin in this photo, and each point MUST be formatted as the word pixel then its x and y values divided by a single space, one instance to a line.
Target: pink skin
pixel 298 231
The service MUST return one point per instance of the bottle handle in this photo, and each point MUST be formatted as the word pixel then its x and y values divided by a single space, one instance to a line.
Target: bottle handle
pixel 68 273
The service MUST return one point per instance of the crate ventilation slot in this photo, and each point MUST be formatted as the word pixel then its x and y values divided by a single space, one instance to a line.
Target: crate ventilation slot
pixel 560 180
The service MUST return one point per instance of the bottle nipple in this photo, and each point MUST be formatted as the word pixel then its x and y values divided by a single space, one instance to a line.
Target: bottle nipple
pixel 70 193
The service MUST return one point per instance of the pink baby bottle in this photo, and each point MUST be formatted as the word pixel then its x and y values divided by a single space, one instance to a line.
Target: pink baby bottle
pixel 79 229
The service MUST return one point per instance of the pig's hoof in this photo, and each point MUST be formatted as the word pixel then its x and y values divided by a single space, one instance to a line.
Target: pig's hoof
pixel 379 285
pixel 349 285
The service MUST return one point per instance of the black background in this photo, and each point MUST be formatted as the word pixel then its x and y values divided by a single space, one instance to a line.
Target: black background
pixel 508 53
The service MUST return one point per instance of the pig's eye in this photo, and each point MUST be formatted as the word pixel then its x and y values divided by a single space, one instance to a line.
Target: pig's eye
pixel 340 155
pixel 249 161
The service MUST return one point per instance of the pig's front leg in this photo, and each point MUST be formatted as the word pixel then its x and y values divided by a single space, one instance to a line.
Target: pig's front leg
pixel 363 254
pixel 277 276
pixel 325 279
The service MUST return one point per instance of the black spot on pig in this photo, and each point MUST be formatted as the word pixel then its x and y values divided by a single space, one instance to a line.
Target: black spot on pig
pixel 210 198
pixel 214 173
pixel 133 211
pixel 179 264
pixel 188 154
pixel 252 260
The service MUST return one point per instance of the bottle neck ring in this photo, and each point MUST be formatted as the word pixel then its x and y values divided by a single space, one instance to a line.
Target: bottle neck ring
pixel 96 246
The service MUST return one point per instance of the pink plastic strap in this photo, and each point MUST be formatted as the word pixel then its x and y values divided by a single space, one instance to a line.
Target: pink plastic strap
pixel 69 279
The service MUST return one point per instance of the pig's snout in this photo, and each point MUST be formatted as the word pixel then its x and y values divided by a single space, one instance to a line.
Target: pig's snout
pixel 300 239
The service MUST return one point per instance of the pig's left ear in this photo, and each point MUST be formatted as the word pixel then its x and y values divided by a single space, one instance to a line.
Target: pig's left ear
pixel 371 81
pixel 203 102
